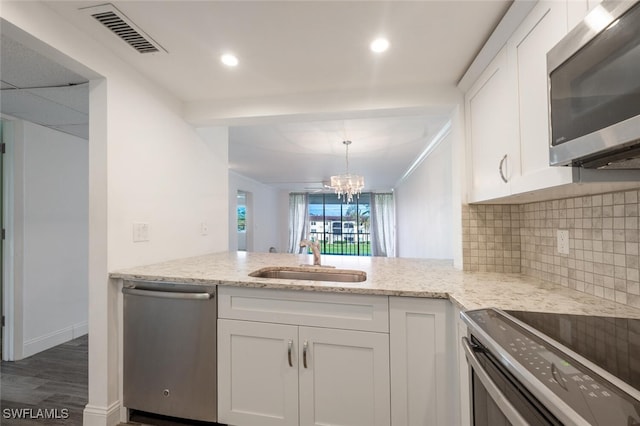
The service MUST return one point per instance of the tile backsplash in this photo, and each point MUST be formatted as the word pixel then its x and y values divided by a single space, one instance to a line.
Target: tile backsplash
pixel 604 240
pixel 491 240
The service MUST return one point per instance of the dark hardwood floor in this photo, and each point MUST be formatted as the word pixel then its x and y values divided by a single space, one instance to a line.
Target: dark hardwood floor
pixel 55 379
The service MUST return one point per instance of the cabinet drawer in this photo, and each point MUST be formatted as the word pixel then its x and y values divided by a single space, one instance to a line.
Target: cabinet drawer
pixel 315 309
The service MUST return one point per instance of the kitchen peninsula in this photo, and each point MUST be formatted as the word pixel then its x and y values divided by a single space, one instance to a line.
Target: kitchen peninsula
pixel 385 276
pixel 377 352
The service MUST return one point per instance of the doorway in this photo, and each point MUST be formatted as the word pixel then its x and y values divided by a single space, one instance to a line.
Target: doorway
pixel 244 221
pixel 241 222
pixel 44 199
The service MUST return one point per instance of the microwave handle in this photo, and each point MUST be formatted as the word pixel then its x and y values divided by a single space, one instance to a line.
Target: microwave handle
pixel 498 397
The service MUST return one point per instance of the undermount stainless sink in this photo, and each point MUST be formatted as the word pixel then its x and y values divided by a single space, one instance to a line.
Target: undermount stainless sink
pixel 312 274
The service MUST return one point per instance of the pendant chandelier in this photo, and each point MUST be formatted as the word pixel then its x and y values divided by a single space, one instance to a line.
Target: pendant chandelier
pixel 347 185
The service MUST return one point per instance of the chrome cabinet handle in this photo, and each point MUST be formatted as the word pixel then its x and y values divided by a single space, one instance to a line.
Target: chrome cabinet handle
pixel 304 353
pixel 498 397
pixel 504 179
pixel 289 353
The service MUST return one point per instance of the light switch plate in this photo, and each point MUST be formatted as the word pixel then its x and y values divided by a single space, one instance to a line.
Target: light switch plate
pixel 204 229
pixel 563 241
pixel 140 232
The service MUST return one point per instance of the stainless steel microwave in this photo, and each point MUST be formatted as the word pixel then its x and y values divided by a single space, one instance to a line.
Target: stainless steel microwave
pixel 594 90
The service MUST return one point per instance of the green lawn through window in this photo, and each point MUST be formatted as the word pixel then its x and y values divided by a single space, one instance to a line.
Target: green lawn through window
pixel 346 248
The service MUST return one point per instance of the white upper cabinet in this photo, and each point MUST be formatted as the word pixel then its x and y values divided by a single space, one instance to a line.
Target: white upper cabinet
pixel 527 50
pixel 507 113
pixel 491 130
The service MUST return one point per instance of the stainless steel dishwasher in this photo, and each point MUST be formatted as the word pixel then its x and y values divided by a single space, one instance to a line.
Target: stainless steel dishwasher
pixel 170 349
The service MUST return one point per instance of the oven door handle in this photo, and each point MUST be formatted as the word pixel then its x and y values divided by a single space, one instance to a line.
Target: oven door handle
pixel 498 397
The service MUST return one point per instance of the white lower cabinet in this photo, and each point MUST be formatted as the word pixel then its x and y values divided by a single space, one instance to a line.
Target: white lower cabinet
pixel 290 374
pixel 420 362
pixel 289 358
pixel 346 377
pixel 256 384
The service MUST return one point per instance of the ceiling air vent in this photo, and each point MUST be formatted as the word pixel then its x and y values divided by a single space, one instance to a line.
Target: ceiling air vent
pixel 123 27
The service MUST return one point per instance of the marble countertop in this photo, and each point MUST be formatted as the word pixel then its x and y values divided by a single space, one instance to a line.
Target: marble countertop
pixel 385 276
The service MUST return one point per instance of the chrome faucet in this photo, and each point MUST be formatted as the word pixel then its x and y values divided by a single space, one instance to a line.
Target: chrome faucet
pixel 315 249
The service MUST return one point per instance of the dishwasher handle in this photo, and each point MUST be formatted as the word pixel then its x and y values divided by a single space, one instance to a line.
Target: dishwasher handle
pixel 167 294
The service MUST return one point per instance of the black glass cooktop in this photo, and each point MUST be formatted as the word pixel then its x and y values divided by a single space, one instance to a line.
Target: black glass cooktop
pixel 613 344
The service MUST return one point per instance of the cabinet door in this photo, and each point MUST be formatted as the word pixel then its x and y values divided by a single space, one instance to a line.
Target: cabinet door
pixel 420 359
pixel 346 378
pixel 256 383
pixel 528 47
pixel 491 128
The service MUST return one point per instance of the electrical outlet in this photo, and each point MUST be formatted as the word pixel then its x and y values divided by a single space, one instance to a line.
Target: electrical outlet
pixel 204 228
pixel 563 241
pixel 140 232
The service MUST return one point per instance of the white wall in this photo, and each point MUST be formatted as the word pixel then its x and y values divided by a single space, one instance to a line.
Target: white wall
pixel 163 173
pixel 283 217
pixel 458 170
pixel 53 216
pixel 264 226
pixel 146 164
pixel 424 207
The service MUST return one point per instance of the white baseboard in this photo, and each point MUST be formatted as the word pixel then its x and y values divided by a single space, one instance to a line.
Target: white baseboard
pixel 41 343
pixel 94 415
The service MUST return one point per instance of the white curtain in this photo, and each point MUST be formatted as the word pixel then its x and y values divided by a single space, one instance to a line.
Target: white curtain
pixel 383 225
pixel 298 220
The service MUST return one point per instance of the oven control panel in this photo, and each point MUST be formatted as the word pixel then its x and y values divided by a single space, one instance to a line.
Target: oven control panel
pixel 537 364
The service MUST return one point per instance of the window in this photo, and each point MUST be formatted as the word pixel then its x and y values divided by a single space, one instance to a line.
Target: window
pixel 341 228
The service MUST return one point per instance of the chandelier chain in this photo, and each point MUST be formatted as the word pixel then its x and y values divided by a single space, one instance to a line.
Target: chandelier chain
pixel 347 143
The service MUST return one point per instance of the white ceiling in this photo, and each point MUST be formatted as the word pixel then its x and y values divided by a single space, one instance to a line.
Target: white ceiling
pixel 39 90
pixel 299 47
pixel 292 47
pixel 306 154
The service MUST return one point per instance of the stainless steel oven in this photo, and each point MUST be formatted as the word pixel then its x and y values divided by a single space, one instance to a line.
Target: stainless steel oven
pixel 525 369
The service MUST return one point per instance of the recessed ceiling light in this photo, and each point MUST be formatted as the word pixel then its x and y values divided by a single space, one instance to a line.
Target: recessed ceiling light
pixel 229 60
pixel 379 45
